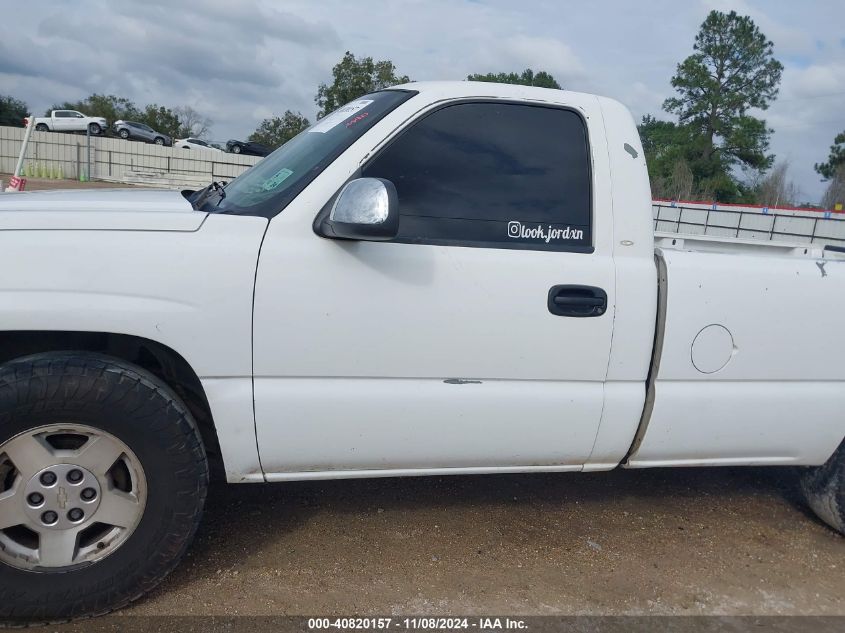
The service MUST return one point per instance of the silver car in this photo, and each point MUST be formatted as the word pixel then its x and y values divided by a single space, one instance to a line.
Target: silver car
pixel 142 132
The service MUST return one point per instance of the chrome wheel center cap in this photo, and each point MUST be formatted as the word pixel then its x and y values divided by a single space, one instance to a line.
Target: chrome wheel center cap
pixel 62 496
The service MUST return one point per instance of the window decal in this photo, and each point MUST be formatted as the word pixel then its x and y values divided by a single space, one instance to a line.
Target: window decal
pixel 518 230
pixel 338 116
pixel 276 179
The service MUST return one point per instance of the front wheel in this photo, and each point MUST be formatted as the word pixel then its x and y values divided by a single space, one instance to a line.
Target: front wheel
pixel 236 149
pixel 824 489
pixel 103 478
pixel 159 140
pixel 124 134
pixel 94 128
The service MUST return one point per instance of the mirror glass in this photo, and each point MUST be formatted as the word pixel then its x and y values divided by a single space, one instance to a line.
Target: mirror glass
pixel 362 201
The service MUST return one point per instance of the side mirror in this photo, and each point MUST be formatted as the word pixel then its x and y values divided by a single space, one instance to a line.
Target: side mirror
pixel 365 209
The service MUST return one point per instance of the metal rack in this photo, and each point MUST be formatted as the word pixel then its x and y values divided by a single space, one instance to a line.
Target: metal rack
pixel 693 215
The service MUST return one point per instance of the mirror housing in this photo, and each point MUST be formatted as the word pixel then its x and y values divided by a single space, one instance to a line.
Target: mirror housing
pixel 365 209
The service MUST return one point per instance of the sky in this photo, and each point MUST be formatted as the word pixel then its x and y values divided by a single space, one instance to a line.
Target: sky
pixel 239 61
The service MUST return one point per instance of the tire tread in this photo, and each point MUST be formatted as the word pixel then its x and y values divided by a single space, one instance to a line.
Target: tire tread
pixel 824 489
pixel 80 379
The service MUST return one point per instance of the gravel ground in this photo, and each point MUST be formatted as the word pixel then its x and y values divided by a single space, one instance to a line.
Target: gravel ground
pixel 683 541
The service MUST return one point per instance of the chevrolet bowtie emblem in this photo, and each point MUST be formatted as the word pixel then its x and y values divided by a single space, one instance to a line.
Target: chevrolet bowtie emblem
pixel 62 498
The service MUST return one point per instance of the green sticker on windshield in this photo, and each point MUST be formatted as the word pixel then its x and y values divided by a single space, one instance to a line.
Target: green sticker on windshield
pixel 277 179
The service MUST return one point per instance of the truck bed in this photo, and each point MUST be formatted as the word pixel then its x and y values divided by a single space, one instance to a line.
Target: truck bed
pixel 746 368
pixel 739 246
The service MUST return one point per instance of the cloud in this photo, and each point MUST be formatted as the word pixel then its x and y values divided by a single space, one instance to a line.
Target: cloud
pixel 131 45
pixel 815 80
pixel 518 52
pixel 643 99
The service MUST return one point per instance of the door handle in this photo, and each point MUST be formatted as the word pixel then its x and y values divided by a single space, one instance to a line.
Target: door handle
pixel 577 301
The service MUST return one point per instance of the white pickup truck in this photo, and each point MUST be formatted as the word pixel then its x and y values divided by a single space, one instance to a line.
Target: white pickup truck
pixel 70 121
pixel 439 278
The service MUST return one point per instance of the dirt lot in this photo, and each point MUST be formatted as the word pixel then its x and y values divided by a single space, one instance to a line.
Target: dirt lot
pixel 686 541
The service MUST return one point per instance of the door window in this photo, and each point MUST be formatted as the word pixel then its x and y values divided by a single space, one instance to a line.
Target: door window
pixel 496 175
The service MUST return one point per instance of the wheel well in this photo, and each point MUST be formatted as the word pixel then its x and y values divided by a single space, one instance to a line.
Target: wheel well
pixel 160 360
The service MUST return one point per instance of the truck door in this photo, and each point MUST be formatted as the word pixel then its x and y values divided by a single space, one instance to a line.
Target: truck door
pixel 61 120
pixel 465 342
pixel 74 121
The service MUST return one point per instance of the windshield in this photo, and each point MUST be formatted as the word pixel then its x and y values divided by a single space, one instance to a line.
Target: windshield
pixel 269 186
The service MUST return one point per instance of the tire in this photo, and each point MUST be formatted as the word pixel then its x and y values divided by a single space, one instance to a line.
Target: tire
pixel 124 134
pixel 236 149
pixel 41 127
pixel 95 128
pixel 100 397
pixel 824 489
pixel 158 140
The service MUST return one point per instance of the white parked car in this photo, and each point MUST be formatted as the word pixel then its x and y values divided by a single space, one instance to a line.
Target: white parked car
pixel 70 121
pixel 439 278
pixel 194 143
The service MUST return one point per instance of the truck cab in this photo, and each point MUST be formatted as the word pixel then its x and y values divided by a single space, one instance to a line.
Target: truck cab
pixel 505 212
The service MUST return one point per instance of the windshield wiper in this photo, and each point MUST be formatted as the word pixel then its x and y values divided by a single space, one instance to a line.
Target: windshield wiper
pixel 219 187
pixel 199 198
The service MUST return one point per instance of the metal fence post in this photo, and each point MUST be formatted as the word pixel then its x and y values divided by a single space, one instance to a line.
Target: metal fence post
pixel 88 159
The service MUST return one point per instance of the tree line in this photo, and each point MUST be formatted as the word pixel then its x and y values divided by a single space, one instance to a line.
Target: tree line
pixel 715 148
pixel 353 77
pixel 179 122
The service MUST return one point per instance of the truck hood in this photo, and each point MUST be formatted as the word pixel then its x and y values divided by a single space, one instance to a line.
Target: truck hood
pixel 99 209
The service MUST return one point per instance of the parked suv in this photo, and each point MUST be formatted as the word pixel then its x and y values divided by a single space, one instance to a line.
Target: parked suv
pixel 141 132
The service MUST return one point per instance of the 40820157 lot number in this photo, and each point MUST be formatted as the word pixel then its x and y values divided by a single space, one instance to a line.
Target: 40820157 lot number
pixel 425 623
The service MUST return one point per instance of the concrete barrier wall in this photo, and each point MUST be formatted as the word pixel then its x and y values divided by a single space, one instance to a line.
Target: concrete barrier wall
pixel 118 160
pixel 748 222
